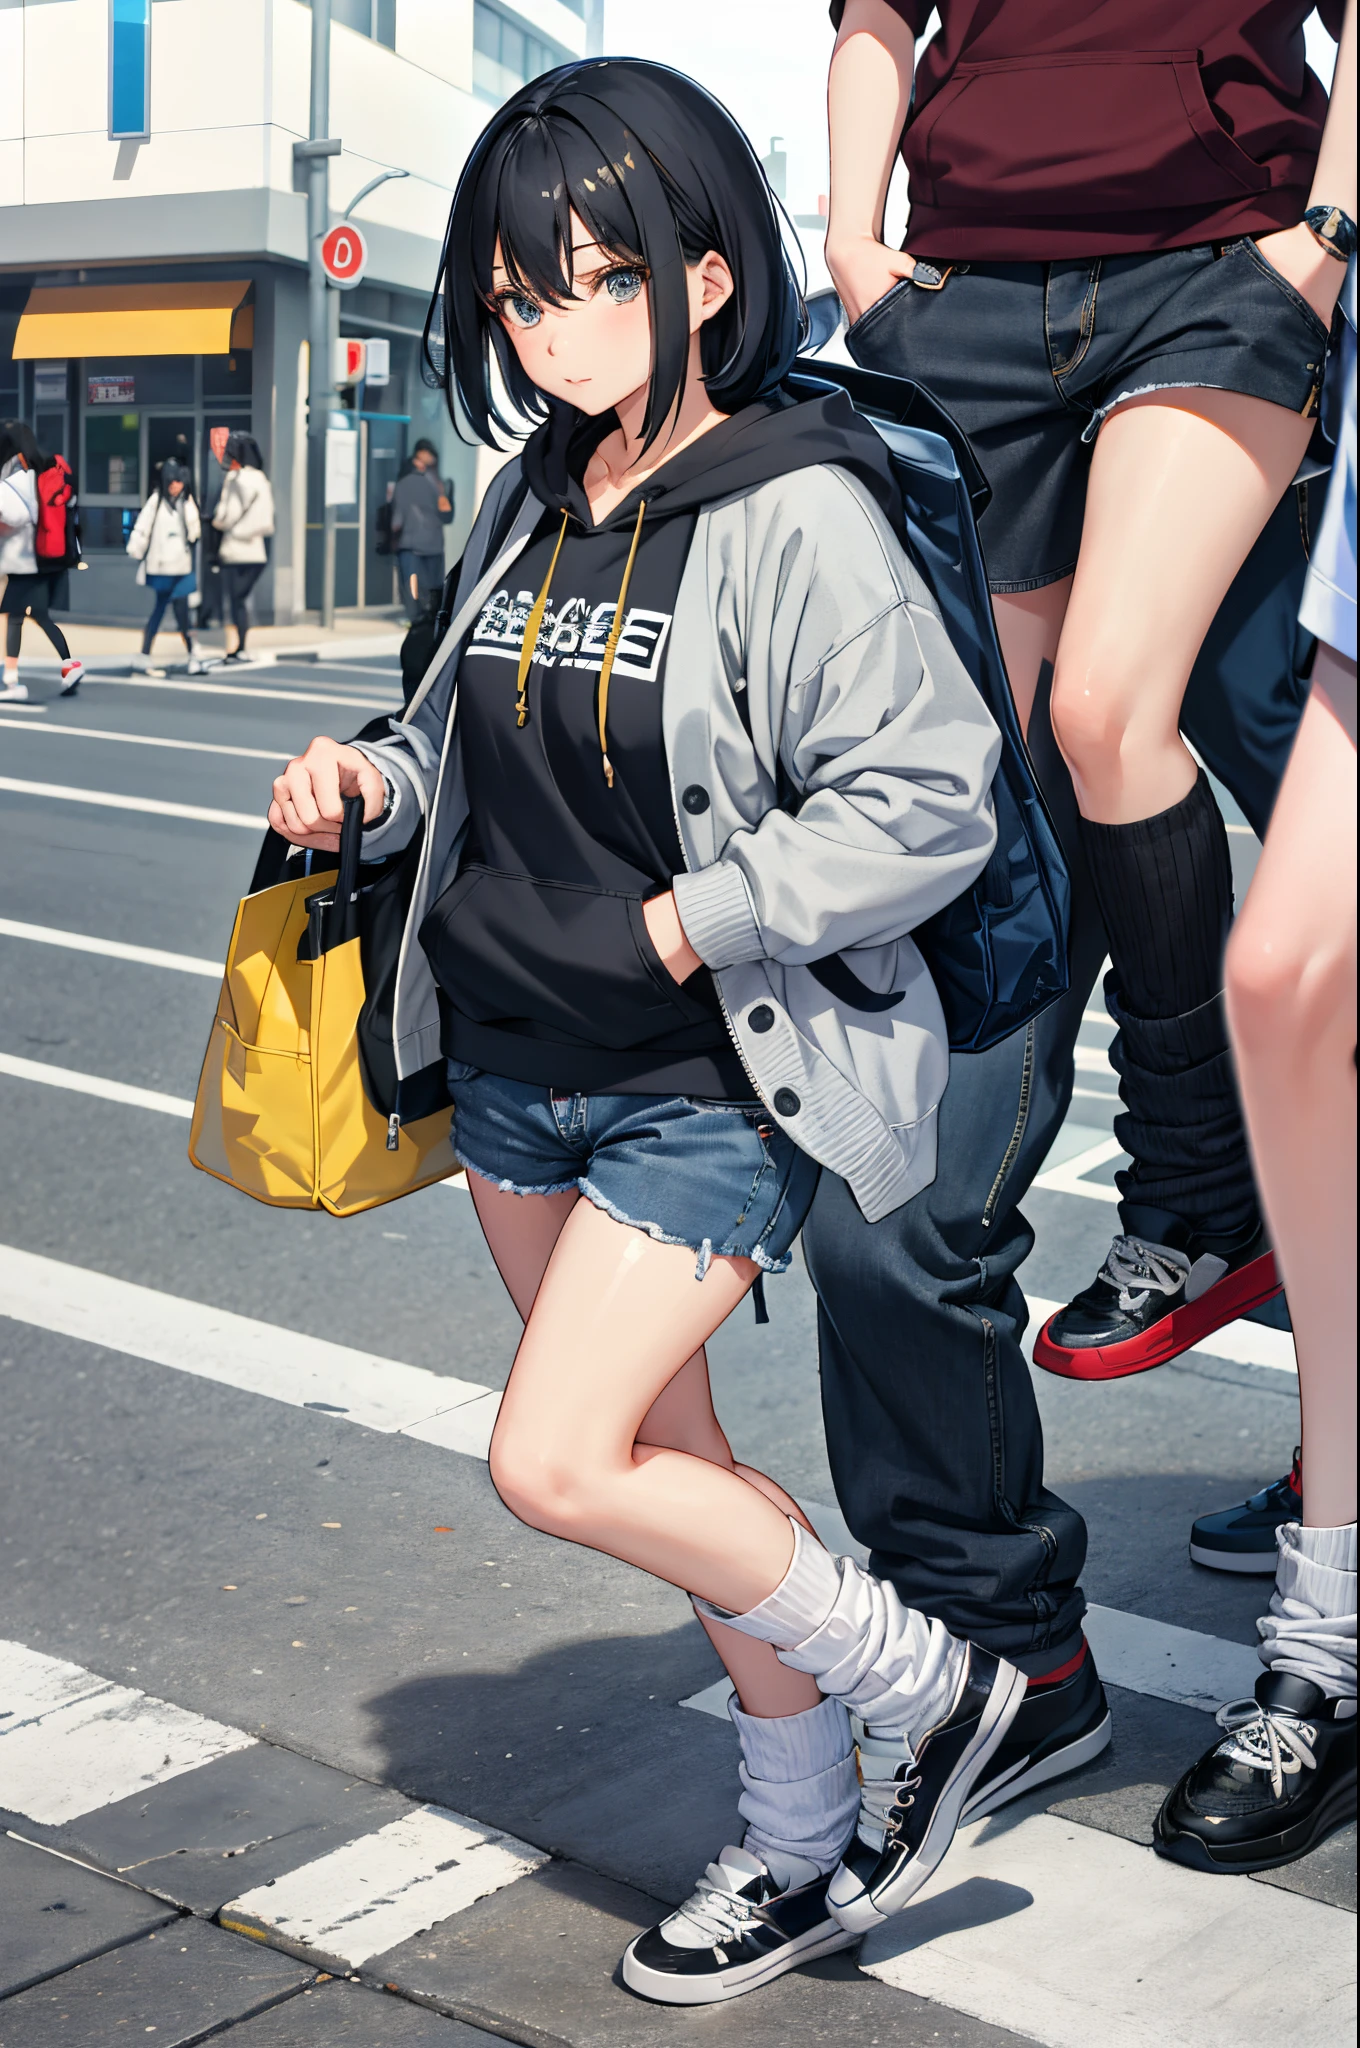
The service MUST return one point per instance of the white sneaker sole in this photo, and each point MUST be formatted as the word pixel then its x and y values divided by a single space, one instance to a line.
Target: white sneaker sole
pixel 865 1910
pixel 1058 1765
pixel 1255 1563
pixel 823 1940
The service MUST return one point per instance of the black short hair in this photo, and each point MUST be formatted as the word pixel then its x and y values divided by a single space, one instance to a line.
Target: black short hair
pixel 245 449
pixel 660 173
pixel 425 447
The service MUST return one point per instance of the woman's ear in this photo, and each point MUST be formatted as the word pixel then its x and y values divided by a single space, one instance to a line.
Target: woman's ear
pixel 710 287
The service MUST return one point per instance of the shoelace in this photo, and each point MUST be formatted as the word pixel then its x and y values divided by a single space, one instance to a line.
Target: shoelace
pixel 1263 1739
pixel 885 1801
pixel 1154 1268
pixel 719 1915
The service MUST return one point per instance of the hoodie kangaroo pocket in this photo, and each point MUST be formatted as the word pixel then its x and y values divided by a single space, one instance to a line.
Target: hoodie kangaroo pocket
pixel 574 961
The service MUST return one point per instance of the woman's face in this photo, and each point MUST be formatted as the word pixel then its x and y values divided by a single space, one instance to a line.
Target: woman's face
pixel 595 349
pixel 176 486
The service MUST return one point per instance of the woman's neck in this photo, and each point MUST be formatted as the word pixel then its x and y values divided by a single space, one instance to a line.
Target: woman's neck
pixel 619 465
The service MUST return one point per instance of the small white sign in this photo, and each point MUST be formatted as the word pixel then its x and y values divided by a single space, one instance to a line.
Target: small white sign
pixel 49 383
pixel 342 466
pixel 378 363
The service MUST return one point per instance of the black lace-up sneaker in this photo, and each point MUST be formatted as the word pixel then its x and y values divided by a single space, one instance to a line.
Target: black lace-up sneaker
pixel 1149 1302
pixel 1242 1539
pixel 1280 1779
pixel 740 1928
pixel 911 1805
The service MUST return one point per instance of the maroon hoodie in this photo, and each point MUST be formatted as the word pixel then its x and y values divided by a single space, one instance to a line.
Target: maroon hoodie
pixel 1041 129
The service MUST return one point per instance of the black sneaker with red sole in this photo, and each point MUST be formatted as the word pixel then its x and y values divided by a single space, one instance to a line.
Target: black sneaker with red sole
pixel 1149 1302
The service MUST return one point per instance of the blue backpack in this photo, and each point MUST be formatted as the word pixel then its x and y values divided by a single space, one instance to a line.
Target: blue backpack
pixel 998 953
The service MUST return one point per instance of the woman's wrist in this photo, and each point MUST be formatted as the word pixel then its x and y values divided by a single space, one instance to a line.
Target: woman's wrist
pixel 667 934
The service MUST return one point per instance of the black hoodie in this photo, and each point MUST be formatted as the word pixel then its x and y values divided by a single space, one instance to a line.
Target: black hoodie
pixel 545 967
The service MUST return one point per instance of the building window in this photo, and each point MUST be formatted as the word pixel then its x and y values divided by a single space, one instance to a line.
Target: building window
pixel 506 54
pixel 376 19
pixel 129 67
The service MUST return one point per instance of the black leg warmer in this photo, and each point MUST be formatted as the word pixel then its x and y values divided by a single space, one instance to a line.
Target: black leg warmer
pixel 1164 886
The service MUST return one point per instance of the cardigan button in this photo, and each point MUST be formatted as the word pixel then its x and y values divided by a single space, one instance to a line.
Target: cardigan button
pixel 786 1102
pixel 695 799
pixel 761 1018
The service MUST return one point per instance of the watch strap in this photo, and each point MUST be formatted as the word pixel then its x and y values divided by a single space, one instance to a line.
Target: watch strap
pixel 1334 229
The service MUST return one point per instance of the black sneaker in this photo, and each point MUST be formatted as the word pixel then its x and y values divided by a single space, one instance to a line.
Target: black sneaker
pixel 908 1814
pixel 1280 1780
pixel 1149 1302
pixel 1062 1722
pixel 1242 1539
pixel 738 1929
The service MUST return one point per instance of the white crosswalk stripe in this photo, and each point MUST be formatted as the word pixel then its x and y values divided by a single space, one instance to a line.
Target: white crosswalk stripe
pixel 48 1076
pixel 113 800
pixel 111 949
pixel 371 1894
pixel 145 739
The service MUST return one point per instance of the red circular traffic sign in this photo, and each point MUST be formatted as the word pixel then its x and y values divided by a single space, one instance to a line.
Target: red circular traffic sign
pixel 344 254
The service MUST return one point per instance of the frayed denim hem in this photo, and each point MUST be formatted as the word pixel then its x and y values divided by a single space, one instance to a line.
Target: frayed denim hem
pixel 512 1187
pixel 1102 413
pixel 704 1252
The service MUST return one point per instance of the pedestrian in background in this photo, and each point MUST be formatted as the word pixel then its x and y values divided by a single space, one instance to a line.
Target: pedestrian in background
pixel 245 520
pixel 28 587
pixel 163 542
pixel 422 506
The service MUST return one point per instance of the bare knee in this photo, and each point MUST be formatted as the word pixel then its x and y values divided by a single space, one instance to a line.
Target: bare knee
pixel 1285 995
pixel 542 1483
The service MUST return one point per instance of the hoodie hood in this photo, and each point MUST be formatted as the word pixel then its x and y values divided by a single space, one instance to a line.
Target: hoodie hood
pixel 763 441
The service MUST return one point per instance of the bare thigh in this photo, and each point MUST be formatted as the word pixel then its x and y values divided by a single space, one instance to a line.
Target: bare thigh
pixel 1181 484
pixel 1028 625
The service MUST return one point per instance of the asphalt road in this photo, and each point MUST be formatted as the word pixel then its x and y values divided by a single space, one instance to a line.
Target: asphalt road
pixel 355 1600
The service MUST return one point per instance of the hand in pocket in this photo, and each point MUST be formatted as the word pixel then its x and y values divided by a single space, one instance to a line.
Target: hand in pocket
pixel 864 271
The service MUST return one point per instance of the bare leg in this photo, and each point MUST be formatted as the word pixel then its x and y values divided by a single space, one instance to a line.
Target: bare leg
pixel 522 1232
pixel 1181 484
pixel 1292 1007
pixel 1028 625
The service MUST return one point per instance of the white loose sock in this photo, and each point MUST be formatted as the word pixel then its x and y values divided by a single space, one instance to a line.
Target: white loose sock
pixel 1310 1629
pixel 889 1664
pixel 800 1789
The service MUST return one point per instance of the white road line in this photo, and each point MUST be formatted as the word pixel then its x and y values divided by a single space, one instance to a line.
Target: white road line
pixel 338 670
pixel 1067 1178
pixel 143 739
pixel 237 1351
pixel 1097 1094
pixel 1091 1059
pixel 71 1741
pixel 94 1084
pixel 112 949
pixel 1067 1936
pixel 371 1894
pixel 62 792
pixel 196 689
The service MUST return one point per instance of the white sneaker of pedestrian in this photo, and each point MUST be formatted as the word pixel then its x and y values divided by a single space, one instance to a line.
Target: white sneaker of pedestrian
pixel 13 691
pixel 72 675
pixel 744 1924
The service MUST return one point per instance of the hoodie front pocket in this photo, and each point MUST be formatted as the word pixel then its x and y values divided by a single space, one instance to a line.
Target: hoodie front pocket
pixel 510 949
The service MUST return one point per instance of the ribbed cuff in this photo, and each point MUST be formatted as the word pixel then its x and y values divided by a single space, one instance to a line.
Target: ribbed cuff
pixel 793 1746
pixel 715 910
pixel 799 1604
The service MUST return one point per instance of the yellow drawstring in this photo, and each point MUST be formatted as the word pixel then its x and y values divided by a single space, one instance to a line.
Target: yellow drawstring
pixel 532 624
pixel 611 646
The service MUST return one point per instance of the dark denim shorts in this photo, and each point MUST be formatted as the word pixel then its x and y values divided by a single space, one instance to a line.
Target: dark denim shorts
pixel 1030 357
pixel 720 1177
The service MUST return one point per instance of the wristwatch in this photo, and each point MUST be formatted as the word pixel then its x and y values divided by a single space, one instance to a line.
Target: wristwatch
pixel 1334 229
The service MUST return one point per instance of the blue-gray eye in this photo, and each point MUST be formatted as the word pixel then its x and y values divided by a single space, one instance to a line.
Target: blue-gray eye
pixel 623 285
pixel 526 313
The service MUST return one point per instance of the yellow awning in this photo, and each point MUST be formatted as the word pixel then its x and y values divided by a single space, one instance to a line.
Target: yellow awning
pixel 129 319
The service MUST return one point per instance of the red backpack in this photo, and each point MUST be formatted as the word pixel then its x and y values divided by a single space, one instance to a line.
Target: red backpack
pixel 55 542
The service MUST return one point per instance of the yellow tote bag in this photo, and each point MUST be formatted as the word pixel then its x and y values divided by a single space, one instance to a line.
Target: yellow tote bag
pixel 282 1110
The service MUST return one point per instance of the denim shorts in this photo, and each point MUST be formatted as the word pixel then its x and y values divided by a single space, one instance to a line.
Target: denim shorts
pixel 1031 357
pixel 720 1177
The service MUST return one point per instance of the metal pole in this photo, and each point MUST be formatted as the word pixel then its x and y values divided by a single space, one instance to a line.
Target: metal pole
pixel 320 395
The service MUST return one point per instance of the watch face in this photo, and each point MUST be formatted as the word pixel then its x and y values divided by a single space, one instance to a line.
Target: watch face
pixel 1333 227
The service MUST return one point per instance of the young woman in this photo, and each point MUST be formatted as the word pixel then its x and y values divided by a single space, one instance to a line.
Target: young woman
pixel 164 539
pixel 245 519
pixel 28 588
pixel 695 731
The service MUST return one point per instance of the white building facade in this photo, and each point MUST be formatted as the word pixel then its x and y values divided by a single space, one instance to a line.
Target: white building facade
pixel 153 246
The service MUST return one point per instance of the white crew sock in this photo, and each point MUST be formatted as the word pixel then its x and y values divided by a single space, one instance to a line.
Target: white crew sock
pixel 1310 1629
pixel 800 1789
pixel 889 1664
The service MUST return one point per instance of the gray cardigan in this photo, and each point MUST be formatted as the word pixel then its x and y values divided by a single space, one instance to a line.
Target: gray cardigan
pixel 799 595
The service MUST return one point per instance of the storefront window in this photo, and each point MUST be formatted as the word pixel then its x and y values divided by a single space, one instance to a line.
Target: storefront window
pixel 112 448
